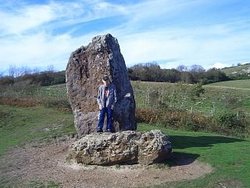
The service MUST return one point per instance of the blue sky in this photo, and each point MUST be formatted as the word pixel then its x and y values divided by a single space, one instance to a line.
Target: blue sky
pixel 41 33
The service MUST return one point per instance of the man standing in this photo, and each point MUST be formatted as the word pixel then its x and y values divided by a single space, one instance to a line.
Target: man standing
pixel 106 100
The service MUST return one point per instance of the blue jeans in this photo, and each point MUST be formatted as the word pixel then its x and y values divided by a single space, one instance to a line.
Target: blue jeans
pixel 102 114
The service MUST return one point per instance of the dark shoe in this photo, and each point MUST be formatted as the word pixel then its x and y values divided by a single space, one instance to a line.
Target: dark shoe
pixel 99 130
pixel 108 130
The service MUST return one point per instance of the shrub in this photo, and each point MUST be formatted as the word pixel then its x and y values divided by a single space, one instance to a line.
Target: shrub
pixel 147 115
pixel 233 122
pixel 20 102
pixel 197 90
pixel 59 104
pixel 6 81
pixel 174 119
pixel 227 123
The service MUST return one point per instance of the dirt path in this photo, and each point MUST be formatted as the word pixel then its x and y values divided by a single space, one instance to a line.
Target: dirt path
pixel 43 163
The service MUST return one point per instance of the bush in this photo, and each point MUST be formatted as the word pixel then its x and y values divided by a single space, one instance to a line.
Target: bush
pixel 6 81
pixel 233 122
pixel 226 123
pixel 59 104
pixel 174 119
pixel 20 102
pixel 45 78
pixel 146 115
pixel 197 90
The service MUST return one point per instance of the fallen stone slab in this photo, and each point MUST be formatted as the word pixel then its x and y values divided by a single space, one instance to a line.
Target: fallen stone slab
pixel 127 147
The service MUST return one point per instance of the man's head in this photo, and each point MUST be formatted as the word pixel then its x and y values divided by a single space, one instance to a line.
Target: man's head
pixel 105 80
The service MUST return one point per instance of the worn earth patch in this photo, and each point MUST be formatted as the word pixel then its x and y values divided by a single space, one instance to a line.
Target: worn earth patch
pixel 46 163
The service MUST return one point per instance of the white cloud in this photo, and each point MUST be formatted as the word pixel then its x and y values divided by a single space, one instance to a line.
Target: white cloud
pixel 28 39
pixel 219 65
pixel 24 19
pixel 26 35
pixel 186 45
pixel 40 50
pixel 195 44
pixel 28 17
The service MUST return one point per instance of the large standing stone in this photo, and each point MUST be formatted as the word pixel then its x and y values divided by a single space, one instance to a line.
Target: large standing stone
pixel 127 147
pixel 85 70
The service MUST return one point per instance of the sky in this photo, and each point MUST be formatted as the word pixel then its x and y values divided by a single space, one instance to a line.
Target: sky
pixel 43 33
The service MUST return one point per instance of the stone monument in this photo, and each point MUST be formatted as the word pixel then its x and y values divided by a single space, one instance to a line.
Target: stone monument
pixel 86 67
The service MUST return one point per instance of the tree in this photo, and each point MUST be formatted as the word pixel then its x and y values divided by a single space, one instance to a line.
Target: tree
pixel 195 74
pixel 6 80
pixel 197 69
pixel 182 68
pixel 214 75
pixel 146 72
pixel 50 68
pixel 12 71
pixel 187 77
pixel 171 75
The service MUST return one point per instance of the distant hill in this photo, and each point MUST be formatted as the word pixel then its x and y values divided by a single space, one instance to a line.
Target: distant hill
pixel 240 71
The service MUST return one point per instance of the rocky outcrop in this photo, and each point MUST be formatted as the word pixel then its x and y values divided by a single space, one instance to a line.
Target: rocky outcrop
pixel 85 70
pixel 127 147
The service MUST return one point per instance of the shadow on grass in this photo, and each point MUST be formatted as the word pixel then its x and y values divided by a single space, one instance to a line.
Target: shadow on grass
pixel 181 159
pixel 182 142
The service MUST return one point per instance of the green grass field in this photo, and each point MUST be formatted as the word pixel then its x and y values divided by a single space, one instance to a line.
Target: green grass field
pixel 21 125
pixel 219 109
pixel 50 118
pixel 228 156
pixel 225 154
pixel 240 89
pixel 216 96
pixel 234 84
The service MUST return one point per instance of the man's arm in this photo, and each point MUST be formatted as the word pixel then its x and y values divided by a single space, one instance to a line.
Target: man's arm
pixel 115 97
pixel 99 96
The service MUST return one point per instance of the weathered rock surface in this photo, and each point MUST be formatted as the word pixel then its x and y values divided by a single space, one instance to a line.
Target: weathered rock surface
pixel 127 147
pixel 85 70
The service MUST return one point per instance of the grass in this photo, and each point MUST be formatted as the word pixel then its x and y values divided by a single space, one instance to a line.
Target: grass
pixel 218 109
pixel 222 109
pixel 147 94
pixel 27 96
pixel 214 99
pixel 45 121
pixel 31 184
pixel 228 156
pixel 37 184
pixel 236 69
pixel 21 125
pixel 236 91
pixel 237 84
